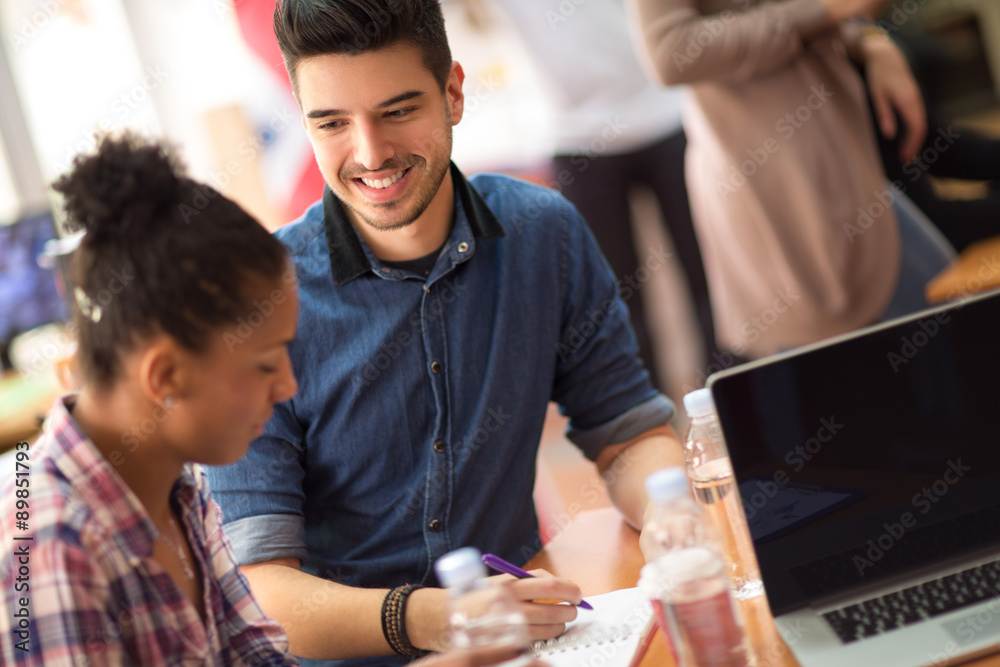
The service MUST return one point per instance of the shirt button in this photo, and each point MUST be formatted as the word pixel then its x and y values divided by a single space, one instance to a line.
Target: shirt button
pixel 435 367
pixel 463 247
pixel 435 525
pixel 439 445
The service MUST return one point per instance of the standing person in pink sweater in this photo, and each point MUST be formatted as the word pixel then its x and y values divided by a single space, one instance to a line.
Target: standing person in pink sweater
pixel 803 237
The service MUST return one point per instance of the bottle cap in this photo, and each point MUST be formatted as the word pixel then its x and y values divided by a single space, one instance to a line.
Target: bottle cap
pixel 667 484
pixel 699 403
pixel 460 568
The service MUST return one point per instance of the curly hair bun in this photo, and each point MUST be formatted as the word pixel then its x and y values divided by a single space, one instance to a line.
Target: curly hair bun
pixel 122 188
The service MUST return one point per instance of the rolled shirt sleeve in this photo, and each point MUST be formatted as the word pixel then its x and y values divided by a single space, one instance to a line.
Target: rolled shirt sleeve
pixel 600 382
pixel 262 496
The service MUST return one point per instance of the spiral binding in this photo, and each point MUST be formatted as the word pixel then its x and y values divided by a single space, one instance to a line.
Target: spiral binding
pixel 594 637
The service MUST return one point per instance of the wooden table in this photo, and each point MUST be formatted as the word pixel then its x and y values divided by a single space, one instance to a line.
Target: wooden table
pixel 976 270
pixel 601 553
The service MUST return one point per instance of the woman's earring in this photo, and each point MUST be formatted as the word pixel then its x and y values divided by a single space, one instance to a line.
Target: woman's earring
pixel 168 402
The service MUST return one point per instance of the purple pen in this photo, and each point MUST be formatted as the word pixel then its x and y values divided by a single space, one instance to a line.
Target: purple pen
pixel 500 565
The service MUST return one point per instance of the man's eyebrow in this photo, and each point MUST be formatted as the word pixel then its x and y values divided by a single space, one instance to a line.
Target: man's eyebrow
pixel 400 98
pixel 323 113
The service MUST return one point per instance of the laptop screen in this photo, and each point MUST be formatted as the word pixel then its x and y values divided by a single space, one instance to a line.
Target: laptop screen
pixel 872 456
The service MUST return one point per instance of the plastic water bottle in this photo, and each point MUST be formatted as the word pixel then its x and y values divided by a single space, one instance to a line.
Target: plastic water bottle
pixel 479 614
pixel 711 475
pixel 685 578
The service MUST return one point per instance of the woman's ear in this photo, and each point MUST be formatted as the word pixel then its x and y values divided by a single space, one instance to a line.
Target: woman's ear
pixel 162 373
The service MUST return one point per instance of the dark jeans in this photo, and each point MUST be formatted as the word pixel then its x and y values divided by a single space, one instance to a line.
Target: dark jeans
pixel 600 189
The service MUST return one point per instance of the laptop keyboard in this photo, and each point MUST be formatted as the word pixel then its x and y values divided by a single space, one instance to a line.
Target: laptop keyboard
pixel 916 603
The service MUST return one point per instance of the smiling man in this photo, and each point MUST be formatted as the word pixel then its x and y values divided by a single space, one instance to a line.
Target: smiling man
pixel 439 317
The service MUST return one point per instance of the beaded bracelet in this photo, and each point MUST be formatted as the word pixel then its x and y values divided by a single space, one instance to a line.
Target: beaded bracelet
pixel 394 620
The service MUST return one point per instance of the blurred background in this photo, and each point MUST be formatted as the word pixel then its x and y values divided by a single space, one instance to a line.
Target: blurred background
pixel 207 75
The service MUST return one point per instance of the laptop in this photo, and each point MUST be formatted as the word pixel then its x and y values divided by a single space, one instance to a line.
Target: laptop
pixel 869 470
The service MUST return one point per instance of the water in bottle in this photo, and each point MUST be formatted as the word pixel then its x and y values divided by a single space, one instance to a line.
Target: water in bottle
pixel 711 475
pixel 686 579
pixel 689 590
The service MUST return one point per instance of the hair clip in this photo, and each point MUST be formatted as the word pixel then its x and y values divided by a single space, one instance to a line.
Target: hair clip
pixel 90 310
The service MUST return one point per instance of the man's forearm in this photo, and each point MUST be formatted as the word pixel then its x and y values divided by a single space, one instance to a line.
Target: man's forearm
pixel 325 620
pixel 625 467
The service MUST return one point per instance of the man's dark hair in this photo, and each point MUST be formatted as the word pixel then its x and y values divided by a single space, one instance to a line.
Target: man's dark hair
pixel 307 28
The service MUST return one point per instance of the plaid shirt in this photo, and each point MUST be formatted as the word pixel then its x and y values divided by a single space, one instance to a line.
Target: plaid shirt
pixel 94 595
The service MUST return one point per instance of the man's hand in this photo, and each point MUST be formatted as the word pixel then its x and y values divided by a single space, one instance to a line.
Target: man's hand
pixel 893 89
pixel 539 598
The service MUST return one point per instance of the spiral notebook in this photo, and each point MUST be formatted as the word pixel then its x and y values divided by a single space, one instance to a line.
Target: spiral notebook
pixel 613 630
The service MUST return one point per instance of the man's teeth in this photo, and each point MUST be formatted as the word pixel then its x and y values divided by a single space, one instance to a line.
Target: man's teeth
pixel 380 183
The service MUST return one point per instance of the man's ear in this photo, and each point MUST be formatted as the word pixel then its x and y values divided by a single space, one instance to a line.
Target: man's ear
pixel 453 92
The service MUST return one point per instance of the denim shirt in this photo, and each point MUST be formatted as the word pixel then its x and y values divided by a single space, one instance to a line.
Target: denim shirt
pixel 421 402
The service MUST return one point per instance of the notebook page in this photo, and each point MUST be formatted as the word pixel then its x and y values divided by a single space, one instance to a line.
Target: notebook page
pixel 613 630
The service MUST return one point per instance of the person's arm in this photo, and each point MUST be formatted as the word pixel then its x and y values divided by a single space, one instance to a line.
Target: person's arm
pixel 323 619
pixel 262 497
pixel 616 418
pixel 893 89
pixel 682 46
pixel 326 620
pixel 624 468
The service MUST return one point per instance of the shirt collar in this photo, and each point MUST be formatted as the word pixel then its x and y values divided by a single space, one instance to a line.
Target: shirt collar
pixel 348 259
pixel 95 481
